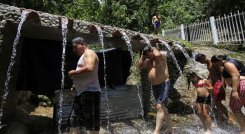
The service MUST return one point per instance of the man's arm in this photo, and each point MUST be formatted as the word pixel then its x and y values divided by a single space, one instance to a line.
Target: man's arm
pixel 209 85
pixel 235 77
pixel 156 52
pixel 142 62
pixel 152 20
pixel 89 64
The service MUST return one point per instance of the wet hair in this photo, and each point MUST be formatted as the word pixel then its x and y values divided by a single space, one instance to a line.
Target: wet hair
pixel 216 58
pixel 199 56
pixel 146 49
pixel 189 77
pixel 78 40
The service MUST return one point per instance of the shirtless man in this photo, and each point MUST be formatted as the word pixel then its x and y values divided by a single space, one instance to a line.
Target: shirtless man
pixel 86 88
pixel 156 64
pixel 156 22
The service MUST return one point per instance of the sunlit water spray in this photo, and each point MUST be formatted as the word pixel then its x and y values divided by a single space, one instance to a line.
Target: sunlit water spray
pixel 64 22
pixel 11 64
pixel 105 86
pixel 127 40
pixel 172 55
pixel 146 40
pixel 183 50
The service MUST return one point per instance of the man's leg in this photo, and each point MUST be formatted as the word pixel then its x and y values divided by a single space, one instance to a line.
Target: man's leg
pixel 167 119
pixel 241 120
pixel 221 114
pixel 159 118
pixel 162 112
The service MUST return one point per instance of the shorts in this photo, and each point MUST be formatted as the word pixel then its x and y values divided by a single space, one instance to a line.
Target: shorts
pixel 157 24
pixel 161 92
pixel 87 110
pixel 236 105
pixel 218 92
pixel 204 100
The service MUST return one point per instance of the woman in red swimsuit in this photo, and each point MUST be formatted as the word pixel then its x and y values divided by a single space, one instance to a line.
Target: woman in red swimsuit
pixel 203 89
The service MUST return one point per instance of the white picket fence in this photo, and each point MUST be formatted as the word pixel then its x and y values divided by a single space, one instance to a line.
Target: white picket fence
pixel 228 28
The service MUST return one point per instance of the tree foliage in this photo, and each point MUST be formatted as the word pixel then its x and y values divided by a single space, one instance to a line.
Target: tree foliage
pixel 134 14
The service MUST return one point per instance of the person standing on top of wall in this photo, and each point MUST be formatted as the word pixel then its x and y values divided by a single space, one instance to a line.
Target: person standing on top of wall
pixel 156 64
pixel 233 72
pixel 156 21
pixel 219 92
pixel 86 87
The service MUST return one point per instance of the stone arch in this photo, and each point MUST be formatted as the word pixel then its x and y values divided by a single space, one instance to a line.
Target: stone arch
pixel 116 33
pixel 33 17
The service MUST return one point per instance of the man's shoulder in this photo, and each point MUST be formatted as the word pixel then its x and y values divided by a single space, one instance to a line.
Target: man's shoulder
pixel 90 53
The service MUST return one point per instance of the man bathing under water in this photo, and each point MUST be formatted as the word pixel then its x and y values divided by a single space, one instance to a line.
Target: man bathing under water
pixel 156 64
pixel 87 88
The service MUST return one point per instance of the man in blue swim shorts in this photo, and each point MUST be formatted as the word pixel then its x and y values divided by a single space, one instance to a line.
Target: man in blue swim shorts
pixel 156 64
pixel 156 22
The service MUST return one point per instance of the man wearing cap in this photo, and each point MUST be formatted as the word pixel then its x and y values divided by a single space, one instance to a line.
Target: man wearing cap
pixel 156 64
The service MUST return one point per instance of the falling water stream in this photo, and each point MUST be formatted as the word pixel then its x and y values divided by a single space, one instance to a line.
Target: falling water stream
pixel 183 50
pixel 23 17
pixel 64 22
pixel 127 40
pixel 146 40
pixel 189 129
pixel 106 94
pixel 172 55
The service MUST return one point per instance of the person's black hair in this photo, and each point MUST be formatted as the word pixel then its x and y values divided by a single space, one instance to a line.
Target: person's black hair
pixel 199 56
pixel 146 49
pixel 189 77
pixel 78 40
pixel 216 58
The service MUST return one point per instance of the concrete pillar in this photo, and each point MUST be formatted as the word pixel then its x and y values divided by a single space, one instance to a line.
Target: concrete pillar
pixel 163 32
pixel 214 30
pixel 182 32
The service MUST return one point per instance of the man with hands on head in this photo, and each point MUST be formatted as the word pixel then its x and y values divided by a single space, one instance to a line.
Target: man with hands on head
pixel 156 64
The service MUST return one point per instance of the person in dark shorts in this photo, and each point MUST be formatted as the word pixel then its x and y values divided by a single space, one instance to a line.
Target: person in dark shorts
pixel 219 94
pixel 203 101
pixel 156 21
pixel 156 64
pixel 87 88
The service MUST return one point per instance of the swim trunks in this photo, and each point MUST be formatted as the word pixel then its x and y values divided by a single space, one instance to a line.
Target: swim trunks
pixel 157 24
pixel 203 99
pixel 161 92
pixel 235 104
pixel 87 110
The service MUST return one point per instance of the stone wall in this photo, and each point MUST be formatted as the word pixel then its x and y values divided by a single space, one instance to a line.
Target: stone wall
pixel 12 14
pixel 40 25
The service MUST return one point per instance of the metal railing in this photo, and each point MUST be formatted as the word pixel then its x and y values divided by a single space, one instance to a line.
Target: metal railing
pixel 228 28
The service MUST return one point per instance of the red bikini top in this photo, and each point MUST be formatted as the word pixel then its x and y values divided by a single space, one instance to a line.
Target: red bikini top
pixel 201 85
